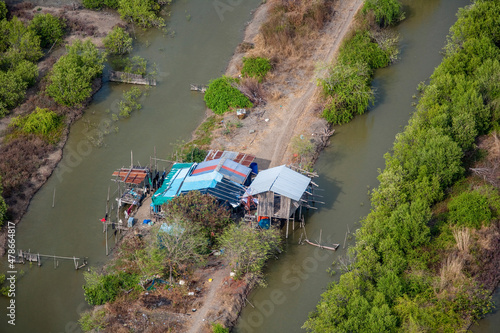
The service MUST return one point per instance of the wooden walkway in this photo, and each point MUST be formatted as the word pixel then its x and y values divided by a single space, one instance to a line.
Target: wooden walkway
pixel 37 257
pixel 130 78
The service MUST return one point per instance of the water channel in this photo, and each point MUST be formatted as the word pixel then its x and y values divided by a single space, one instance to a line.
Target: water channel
pixel 50 299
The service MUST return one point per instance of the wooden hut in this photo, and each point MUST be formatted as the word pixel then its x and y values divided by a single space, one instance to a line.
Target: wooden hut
pixel 280 191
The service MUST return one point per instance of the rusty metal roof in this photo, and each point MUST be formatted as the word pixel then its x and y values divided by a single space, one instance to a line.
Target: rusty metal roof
pixel 241 158
pixel 131 176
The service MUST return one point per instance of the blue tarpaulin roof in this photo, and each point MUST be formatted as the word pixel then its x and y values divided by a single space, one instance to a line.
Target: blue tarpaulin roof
pixel 281 180
pixel 172 183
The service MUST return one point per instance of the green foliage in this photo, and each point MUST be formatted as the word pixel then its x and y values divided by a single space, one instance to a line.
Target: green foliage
pixel 40 122
pixel 98 4
pixel 19 49
pixel 50 29
pixel 141 12
pixel 201 210
pixel 218 328
pixel 3 10
pixel 136 65
pixel 194 154
pixel 129 102
pixel 348 85
pixel 118 41
pixel 72 75
pixel 361 49
pixel 349 88
pixel 18 43
pixel 221 95
pixel 247 248
pixel 12 91
pixel 102 288
pixel 470 209
pixel 93 320
pixel 387 12
pixel 256 67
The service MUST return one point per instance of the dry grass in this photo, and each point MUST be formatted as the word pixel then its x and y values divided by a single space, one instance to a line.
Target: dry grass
pixel 463 238
pixel 451 272
pixel 251 88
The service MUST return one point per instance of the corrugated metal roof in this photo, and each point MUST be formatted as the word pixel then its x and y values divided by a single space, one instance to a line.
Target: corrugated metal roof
pixel 241 158
pixel 230 169
pixel 131 176
pixel 280 180
pixel 172 183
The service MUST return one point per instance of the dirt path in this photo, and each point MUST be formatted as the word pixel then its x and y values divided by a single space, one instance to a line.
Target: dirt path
pixel 210 302
pixel 303 104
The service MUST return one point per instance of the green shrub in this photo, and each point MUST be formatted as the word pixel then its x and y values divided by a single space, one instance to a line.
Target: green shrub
pixel 3 10
pixel 103 288
pixel 387 12
pixel 49 28
pixel 256 67
pixel 141 12
pixel 130 103
pixel 118 41
pixel 194 154
pixel 349 88
pixel 41 121
pixel 93 320
pixel 469 209
pixel 72 75
pixel 98 4
pixel 218 328
pixel 221 95
pixel 361 49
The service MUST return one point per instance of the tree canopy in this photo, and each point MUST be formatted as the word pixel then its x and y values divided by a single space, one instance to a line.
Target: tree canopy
pixel 118 41
pixel 72 75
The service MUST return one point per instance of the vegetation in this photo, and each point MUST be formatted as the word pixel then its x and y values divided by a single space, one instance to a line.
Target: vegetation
pixel 50 29
pixel 418 264
pixel 19 50
pixel 93 320
pixel 130 103
pixel 42 122
pixel 142 12
pixel 3 10
pixel 221 95
pixel 118 41
pixel 247 248
pixel 193 154
pixel 218 328
pixel 102 288
pixel 201 210
pixel 256 67
pixel 72 75
pixel 99 4
pixel 348 85
pixel 386 12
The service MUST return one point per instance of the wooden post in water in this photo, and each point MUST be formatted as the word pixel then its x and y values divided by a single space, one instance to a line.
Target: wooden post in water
pixel 54 198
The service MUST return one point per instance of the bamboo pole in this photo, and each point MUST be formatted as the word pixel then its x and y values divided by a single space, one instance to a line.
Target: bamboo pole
pixel 54 198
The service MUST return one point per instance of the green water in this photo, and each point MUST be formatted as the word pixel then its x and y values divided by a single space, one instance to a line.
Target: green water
pixel 48 299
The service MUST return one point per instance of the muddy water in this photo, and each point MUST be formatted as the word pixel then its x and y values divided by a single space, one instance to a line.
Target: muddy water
pixel 49 299
pixel 348 170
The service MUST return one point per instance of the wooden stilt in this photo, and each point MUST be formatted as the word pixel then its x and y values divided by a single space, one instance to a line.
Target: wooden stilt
pixel 54 198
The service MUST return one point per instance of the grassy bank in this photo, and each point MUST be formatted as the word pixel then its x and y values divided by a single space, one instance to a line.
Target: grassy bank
pixel 424 257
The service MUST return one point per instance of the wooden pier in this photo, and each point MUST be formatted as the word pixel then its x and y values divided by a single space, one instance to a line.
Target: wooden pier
pixel 37 257
pixel 131 78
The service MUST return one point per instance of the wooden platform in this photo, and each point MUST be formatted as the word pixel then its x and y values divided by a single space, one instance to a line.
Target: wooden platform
pixel 130 78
